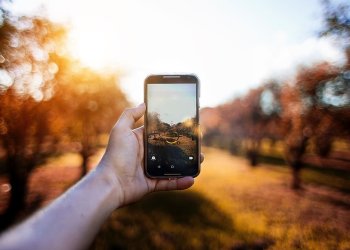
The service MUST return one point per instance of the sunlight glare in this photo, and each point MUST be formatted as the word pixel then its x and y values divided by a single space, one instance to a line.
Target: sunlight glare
pixel 90 46
pixel 218 41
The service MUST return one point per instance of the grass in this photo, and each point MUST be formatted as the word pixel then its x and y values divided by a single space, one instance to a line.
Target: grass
pixel 337 179
pixel 233 206
pixel 175 220
pixel 333 178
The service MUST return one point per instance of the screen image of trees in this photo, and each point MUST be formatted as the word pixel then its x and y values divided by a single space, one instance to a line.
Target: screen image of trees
pixel 178 141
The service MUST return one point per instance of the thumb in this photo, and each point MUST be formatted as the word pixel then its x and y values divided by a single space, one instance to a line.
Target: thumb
pixel 174 184
pixel 130 116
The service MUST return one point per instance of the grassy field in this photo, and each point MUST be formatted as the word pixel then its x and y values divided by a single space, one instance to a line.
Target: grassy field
pixel 233 206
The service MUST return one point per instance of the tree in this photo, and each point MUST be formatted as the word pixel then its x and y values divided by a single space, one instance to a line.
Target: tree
pixel 255 116
pixel 27 72
pixel 304 117
pixel 92 103
pixel 336 20
pixel 154 123
pixel 45 98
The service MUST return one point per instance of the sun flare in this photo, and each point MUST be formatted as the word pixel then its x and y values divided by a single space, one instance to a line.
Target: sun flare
pixel 89 48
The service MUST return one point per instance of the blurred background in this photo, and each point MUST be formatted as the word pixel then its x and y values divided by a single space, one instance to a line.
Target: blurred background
pixel 275 116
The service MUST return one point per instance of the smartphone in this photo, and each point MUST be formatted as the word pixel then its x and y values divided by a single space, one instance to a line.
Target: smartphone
pixel 172 141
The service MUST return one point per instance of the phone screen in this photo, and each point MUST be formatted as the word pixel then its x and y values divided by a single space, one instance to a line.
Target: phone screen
pixel 172 129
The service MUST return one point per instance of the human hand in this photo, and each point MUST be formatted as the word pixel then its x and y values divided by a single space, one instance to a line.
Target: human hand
pixel 123 160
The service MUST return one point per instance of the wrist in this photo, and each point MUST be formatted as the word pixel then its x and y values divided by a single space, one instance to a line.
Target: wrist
pixel 112 184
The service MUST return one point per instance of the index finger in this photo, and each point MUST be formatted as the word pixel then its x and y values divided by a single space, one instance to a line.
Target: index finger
pixel 130 116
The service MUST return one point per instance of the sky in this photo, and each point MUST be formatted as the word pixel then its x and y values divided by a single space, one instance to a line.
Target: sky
pixel 173 102
pixel 231 45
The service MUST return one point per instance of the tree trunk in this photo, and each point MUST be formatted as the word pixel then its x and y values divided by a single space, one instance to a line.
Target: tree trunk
pixel 294 154
pixel 253 157
pixel 84 164
pixel 253 153
pixel 18 178
pixel 234 147
pixel 296 181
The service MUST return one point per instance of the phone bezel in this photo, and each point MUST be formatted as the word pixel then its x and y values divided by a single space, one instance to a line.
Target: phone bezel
pixel 169 78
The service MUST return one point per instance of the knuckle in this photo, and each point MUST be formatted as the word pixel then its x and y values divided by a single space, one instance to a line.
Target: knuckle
pixel 128 110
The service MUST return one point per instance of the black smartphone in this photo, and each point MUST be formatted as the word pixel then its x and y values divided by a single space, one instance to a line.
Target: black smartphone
pixel 172 137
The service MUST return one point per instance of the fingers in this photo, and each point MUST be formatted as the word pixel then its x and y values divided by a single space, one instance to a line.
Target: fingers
pixel 174 184
pixel 130 116
pixel 139 132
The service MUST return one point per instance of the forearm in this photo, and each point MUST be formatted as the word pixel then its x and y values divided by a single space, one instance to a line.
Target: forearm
pixel 72 221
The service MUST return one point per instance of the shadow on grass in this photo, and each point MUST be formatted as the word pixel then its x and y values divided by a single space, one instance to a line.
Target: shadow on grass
pixel 338 179
pixel 171 220
pixel 270 159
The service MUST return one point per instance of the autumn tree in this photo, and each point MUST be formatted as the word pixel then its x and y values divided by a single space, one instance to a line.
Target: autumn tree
pixel 91 103
pixel 154 122
pixel 245 121
pixel 316 105
pixel 305 115
pixel 46 98
pixel 27 70
pixel 253 117
pixel 336 23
